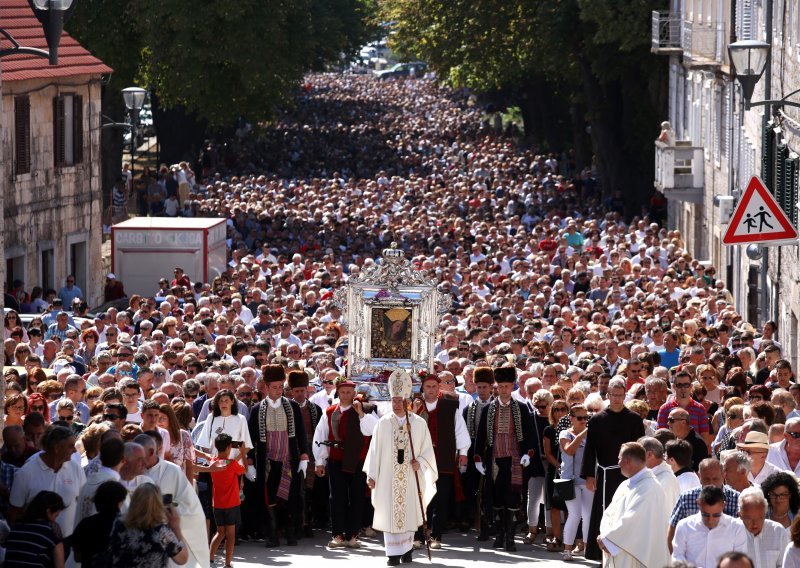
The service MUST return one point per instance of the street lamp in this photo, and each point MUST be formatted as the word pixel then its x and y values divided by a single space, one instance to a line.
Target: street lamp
pixel 749 58
pixel 52 14
pixel 134 101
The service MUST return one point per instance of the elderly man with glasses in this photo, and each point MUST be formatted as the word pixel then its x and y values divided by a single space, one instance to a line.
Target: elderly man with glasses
pixel 766 539
pixel 786 454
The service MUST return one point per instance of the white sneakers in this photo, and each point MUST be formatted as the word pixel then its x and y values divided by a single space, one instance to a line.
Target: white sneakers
pixel 436 544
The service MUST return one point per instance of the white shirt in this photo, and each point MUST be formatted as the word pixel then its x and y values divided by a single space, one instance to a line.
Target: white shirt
pixel 695 543
pixel 463 441
pixel 777 457
pixel 687 481
pixel 766 471
pixel 234 425
pixel 366 423
pixel 36 476
pixel 323 399
pixel 766 549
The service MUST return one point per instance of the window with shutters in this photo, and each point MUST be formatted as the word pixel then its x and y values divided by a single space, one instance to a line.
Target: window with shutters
pixel 68 130
pixel 22 135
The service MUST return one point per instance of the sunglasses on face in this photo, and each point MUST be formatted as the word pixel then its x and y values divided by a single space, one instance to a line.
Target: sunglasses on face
pixel 69 418
pixel 581 418
pixel 794 435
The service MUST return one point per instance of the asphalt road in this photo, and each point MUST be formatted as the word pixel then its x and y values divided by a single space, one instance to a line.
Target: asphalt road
pixel 457 550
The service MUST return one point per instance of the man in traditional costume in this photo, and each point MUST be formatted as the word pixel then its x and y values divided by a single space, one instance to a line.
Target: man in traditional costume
pixel 280 454
pixel 474 491
pixel 607 431
pixel 314 490
pixel 341 442
pixel 504 446
pixel 171 480
pixel 401 485
pixel 451 444
pixel 633 524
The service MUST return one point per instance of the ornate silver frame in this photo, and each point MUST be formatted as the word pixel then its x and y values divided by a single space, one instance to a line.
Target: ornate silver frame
pixel 391 283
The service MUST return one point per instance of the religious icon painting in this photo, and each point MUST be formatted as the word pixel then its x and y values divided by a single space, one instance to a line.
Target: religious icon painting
pixel 391 333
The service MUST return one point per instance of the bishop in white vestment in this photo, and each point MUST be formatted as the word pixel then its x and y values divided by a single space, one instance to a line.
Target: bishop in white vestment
pixel 390 473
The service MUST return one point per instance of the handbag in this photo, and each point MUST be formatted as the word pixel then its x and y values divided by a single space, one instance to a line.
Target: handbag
pixel 563 490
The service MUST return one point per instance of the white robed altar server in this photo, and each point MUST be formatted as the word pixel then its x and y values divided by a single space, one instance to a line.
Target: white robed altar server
pixel 171 480
pixel 634 521
pixel 390 473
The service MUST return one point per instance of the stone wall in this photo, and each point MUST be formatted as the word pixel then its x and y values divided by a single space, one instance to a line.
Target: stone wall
pixel 53 208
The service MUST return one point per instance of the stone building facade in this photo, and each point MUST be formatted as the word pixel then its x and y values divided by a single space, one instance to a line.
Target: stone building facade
pixel 50 118
pixel 720 145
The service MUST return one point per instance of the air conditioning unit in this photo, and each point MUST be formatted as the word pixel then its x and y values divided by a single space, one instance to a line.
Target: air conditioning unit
pixel 725 205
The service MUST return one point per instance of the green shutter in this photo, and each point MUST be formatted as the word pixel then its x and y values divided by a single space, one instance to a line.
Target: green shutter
pixel 790 189
pixel 779 181
pixel 768 154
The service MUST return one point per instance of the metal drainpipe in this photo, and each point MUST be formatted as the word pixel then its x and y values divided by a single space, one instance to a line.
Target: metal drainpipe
pixel 764 297
pixel 732 254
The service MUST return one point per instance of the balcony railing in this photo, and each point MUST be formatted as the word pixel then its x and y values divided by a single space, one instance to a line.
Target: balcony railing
pixel 666 32
pixel 679 171
pixel 703 43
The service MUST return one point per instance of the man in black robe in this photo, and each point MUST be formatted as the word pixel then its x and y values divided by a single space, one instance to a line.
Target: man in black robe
pixel 607 431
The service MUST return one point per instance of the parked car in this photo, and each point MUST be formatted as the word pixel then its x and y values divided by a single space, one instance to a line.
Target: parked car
pixel 412 69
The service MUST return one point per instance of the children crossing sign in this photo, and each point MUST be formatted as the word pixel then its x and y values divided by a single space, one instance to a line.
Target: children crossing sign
pixel 758 219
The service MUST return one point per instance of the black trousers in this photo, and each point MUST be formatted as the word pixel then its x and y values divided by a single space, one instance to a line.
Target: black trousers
pixel 502 494
pixel 348 491
pixel 439 508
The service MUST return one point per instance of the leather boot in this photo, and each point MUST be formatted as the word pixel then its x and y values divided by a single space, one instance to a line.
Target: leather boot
pixel 510 525
pixel 291 528
pixel 500 529
pixel 483 533
pixel 271 538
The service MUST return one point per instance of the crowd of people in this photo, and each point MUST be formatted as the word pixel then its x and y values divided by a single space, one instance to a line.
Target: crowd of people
pixel 594 390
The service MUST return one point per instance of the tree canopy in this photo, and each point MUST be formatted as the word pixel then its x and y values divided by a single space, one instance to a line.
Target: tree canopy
pixel 587 60
pixel 223 59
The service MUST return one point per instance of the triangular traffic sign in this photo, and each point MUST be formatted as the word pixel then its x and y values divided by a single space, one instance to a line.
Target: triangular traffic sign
pixel 758 218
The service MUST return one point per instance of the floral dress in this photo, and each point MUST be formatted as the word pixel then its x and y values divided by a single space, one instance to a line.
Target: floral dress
pixel 133 548
pixel 183 451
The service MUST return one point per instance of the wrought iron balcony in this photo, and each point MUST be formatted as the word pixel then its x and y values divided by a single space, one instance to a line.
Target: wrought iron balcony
pixel 666 32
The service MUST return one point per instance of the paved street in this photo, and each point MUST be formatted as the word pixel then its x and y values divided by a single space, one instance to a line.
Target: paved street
pixel 458 550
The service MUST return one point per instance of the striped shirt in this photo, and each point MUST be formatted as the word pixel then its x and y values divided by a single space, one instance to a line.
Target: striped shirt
pixel 32 544
pixel 698 416
pixel 687 504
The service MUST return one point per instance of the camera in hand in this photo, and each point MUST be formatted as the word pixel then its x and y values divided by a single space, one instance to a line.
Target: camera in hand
pixel 167 499
pixel 236 444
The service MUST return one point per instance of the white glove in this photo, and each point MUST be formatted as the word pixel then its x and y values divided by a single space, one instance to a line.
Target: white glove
pixel 525 460
pixel 250 473
pixel 303 466
pixel 480 467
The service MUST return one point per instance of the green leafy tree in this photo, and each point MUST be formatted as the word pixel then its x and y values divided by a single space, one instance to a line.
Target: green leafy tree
pixel 207 64
pixel 568 64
